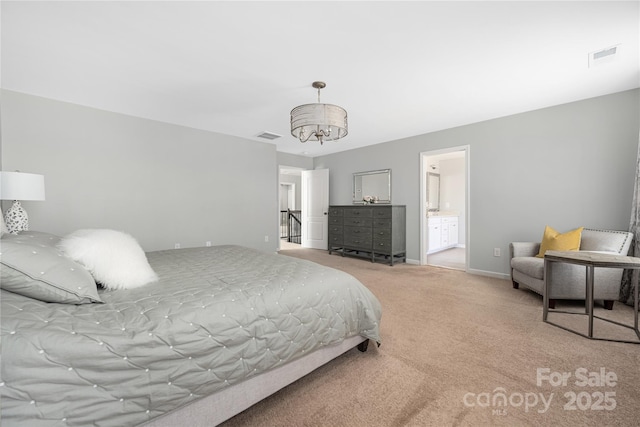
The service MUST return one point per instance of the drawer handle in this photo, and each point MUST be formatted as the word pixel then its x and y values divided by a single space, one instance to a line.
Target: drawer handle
pixel 381 233
pixel 381 244
pixel 356 231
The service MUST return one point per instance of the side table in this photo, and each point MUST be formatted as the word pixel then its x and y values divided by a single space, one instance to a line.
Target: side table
pixel 590 260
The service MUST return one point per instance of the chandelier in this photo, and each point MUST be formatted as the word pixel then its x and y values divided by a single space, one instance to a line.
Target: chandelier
pixel 318 122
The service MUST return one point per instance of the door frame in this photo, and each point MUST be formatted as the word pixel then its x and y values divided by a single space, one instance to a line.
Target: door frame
pixel 424 228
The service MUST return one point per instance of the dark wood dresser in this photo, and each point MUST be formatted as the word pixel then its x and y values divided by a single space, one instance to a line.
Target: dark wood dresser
pixel 375 232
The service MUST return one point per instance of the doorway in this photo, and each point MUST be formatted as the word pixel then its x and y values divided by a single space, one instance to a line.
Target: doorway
pixel 444 217
pixel 307 192
pixel 289 207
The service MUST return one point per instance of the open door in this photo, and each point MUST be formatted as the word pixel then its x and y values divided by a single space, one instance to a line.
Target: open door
pixel 315 208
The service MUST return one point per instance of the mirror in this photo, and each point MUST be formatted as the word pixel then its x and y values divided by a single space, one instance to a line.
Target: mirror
pixel 374 186
pixel 433 191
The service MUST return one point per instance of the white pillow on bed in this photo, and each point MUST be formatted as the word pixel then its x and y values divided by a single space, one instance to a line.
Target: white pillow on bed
pixel 114 259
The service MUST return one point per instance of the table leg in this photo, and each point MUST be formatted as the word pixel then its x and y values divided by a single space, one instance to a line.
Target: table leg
pixel 545 294
pixel 634 279
pixel 589 300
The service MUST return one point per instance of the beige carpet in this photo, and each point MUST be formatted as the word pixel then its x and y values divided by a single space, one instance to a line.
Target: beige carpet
pixel 450 342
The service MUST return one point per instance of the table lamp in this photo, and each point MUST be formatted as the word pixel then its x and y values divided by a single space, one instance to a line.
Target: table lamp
pixel 18 186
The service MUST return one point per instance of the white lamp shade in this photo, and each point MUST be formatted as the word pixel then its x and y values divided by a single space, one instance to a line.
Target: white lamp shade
pixel 21 186
pixel 318 122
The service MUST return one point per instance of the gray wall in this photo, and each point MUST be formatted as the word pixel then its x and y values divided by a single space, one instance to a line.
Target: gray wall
pixel 162 183
pixel 566 166
pixel 295 161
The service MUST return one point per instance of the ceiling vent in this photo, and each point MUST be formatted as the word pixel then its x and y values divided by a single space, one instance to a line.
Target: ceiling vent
pixel 269 135
pixel 603 56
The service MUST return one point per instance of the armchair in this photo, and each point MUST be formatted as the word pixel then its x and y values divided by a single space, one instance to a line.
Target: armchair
pixel 568 281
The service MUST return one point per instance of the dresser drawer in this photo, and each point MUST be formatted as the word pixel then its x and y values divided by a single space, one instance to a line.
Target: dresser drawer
pixel 335 239
pixel 358 222
pixel 362 242
pixel 382 245
pixel 335 220
pixel 381 212
pixel 335 229
pixel 381 223
pixel 357 231
pixel 382 233
pixel 358 212
pixel 336 211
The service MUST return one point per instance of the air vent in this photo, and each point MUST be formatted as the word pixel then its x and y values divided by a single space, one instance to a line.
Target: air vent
pixel 603 56
pixel 269 135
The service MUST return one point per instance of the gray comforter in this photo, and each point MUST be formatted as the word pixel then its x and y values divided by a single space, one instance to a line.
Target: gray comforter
pixel 217 316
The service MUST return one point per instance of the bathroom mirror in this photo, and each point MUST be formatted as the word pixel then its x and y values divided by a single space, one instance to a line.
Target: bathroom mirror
pixel 433 191
pixel 372 185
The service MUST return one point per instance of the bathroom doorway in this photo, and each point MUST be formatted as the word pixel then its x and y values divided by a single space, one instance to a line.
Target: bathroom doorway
pixel 444 220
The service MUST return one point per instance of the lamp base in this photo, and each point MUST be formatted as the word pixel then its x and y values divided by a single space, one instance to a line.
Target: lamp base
pixel 16 218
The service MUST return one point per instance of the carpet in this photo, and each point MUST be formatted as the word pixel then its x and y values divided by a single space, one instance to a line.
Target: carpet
pixel 462 350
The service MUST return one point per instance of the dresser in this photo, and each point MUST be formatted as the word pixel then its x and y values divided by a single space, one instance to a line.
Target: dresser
pixel 375 232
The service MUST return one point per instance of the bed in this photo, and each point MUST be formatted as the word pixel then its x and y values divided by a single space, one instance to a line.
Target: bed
pixel 222 328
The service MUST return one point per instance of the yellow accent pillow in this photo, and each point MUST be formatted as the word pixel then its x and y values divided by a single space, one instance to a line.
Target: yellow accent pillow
pixel 554 241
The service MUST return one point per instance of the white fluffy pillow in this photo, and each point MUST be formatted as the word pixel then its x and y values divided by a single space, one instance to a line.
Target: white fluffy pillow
pixel 114 259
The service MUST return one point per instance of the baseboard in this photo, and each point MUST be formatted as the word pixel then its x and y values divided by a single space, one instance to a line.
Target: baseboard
pixel 472 271
pixel 489 274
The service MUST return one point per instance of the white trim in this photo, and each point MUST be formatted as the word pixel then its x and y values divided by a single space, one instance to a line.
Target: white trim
pixel 489 274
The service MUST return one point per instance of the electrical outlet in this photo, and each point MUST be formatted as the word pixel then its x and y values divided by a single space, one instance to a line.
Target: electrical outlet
pixel 266 238
pixel 496 251
pixel 176 246
pixel 207 243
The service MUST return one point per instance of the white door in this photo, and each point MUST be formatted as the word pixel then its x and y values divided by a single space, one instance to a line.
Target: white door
pixel 315 208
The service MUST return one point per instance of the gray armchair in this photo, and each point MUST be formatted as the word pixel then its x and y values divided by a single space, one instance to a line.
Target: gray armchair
pixel 568 280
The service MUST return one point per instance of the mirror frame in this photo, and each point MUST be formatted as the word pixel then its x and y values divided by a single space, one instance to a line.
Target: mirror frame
pixel 358 200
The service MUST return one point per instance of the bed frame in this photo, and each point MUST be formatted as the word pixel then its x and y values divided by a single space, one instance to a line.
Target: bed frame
pixel 219 407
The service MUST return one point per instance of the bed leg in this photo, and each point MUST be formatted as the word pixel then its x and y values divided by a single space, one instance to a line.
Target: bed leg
pixel 363 346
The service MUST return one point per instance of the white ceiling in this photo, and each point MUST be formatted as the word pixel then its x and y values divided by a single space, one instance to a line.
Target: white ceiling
pixel 399 68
